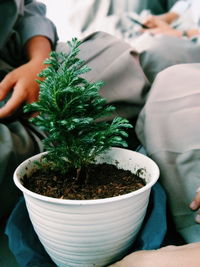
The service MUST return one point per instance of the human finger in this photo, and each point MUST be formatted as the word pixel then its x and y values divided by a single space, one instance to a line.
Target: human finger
pixel 195 204
pixel 6 85
pixel 14 103
pixel 150 21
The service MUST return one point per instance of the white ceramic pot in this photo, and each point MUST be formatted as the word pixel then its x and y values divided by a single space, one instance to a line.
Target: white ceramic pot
pixel 86 233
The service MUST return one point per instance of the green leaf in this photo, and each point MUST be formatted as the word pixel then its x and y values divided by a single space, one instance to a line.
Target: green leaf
pixel 72 113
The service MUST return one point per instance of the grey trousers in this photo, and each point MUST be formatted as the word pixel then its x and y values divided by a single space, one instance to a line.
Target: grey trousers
pixel 18 141
pixel 168 128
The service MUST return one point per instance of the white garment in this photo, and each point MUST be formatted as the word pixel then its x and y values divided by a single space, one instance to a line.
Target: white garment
pixel 89 16
pixel 83 17
pixel 188 8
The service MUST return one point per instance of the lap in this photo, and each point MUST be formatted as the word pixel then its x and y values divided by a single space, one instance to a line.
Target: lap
pixel 17 143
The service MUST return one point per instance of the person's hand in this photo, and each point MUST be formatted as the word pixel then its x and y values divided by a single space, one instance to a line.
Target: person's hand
pixel 161 27
pixel 163 257
pixel 151 21
pixel 137 259
pixel 195 205
pixel 193 32
pixel 25 88
pixel 169 256
pixel 22 80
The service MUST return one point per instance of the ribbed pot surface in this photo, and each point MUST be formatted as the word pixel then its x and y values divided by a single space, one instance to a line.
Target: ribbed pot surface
pixel 90 232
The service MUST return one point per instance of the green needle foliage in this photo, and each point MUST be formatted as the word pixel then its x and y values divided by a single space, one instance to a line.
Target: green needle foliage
pixel 70 111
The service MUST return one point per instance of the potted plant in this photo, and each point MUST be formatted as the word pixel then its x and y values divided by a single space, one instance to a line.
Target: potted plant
pixel 74 228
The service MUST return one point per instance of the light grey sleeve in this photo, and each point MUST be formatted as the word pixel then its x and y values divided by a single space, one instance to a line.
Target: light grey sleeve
pixel 34 22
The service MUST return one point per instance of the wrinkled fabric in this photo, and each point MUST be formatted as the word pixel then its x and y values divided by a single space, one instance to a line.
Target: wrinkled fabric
pixel 113 61
pixel 17 143
pixel 18 139
pixel 168 128
pixel 159 52
pixel 20 21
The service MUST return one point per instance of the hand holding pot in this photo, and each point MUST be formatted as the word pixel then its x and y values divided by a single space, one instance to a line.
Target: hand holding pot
pixel 172 256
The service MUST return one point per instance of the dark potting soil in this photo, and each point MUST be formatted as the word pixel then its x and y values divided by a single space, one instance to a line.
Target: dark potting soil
pixel 103 180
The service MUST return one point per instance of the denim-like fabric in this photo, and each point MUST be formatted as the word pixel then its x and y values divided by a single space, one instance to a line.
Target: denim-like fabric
pixel 154 227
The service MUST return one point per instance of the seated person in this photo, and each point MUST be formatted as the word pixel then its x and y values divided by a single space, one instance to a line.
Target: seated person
pixel 86 17
pixel 182 20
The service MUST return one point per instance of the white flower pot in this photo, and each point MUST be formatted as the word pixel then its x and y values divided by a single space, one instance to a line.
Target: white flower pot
pixel 90 232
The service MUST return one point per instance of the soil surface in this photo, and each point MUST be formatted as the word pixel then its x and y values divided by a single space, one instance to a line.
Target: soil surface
pixel 103 180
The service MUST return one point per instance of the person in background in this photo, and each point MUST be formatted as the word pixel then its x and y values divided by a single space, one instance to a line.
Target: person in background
pixel 182 20
pixel 153 44
pixel 26 39
pixel 156 7
pixel 171 38
pixel 85 17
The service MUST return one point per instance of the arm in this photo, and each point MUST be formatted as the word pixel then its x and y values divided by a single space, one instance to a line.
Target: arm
pixel 152 20
pixel 175 12
pixel 22 79
pixel 161 27
pixel 38 36
pixel 173 256
pixel 34 22
pixel 192 32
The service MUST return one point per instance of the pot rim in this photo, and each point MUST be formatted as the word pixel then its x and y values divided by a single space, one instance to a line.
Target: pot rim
pixel 88 201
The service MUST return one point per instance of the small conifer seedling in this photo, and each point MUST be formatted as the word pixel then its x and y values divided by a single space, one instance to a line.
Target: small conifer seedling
pixel 70 111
